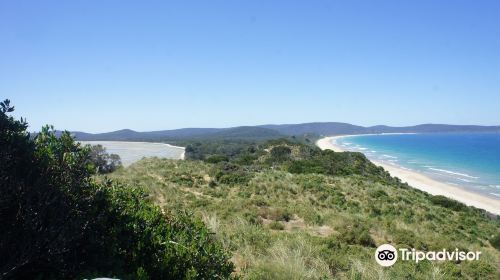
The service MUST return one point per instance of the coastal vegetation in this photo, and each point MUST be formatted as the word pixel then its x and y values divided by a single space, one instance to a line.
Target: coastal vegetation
pixel 59 223
pixel 245 208
pixel 287 210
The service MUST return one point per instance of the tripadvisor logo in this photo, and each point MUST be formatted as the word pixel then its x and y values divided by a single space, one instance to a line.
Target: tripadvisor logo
pixel 387 255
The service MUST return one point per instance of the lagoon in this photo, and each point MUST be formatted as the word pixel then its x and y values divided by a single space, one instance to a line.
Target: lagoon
pixel 131 152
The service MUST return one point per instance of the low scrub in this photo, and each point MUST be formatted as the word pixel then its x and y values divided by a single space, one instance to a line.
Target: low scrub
pixel 448 203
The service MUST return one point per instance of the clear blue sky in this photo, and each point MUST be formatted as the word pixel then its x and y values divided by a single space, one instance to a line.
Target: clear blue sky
pixel 149 65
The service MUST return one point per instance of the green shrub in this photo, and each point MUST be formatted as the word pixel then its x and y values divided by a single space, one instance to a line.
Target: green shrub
pixel 336 255
pixel 252 218
pixel 448 203
pixel 377 193
pixel 332 163
pixel 217 158
pixel 306 167
pixel 312 217
pixel 495 241
pixel 246 159
pixel 59 223
pixel 183 180
pixel 356 233
pixel 280 153
pixel 230 174
pixel 172 245
pixel 103 162
pixel 276 225
pixel 480 270
pixel 405 237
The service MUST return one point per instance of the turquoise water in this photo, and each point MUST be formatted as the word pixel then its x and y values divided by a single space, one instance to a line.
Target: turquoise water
pixel 468 160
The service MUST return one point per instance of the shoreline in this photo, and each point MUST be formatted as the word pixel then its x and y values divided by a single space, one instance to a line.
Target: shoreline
pixel 181 157
pixel 422 182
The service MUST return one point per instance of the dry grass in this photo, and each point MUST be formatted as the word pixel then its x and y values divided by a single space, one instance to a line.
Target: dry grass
pixel 317 213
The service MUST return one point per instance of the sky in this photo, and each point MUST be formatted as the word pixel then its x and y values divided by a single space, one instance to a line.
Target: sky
pixel 105 65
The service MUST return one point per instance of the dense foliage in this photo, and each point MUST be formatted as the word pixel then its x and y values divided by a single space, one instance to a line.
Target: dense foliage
pixel 203 150
pixel 235 161
pixel 59 223
pixel 448 203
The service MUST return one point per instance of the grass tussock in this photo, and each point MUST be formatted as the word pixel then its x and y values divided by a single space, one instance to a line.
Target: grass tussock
pixel 309 224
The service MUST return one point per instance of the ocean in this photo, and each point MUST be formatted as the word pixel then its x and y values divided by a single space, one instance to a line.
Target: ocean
pixel 467 160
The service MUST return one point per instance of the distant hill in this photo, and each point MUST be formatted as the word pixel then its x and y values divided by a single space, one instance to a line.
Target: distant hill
pixel 131 135
pixel 328 128
pixel 433 128
pixel 244 132
pixel 236 133
pixel 263 132
pixel 336 128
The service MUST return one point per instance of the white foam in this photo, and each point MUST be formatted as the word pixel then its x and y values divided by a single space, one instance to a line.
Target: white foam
pixel 495 194
pixel 495 186
pixel 388 156
pixel 464 180
pixel 453 173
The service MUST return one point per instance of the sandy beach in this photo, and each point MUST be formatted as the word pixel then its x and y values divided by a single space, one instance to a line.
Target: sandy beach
pixel 425 183
pixel 131 152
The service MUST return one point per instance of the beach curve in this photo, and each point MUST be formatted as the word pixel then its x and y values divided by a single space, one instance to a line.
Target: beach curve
pixel 422 182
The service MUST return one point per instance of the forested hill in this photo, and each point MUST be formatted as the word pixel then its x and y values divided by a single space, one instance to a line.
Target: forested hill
pixel 275 131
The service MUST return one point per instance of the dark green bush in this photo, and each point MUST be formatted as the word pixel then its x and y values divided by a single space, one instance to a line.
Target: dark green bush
pixel 230 174
pixel 183 180
pixel 246 159
pixel 276 225
pixel 448 203
pixel 405 237
pixel 102 161
pixel 332 163
pixel 336 255
pixel 58 223
pixel 495 241
pixel 231 149
pixel 356 234
pixel 378 193
pixel 216 158
pixel 306 167
pixel 280 153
